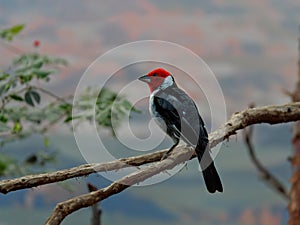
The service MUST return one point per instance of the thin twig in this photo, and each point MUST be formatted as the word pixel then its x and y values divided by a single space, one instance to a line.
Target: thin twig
pixel 12 48
pixel 49 93
pixel 96 210
pixel 266 175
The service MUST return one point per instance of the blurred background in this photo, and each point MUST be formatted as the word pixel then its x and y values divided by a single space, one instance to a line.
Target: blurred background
pixel 251 46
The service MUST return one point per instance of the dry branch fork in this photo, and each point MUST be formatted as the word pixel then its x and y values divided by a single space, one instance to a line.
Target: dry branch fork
pixel 267 114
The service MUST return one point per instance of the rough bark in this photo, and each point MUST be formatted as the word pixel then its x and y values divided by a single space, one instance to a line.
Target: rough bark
pixel 268 114
pixel 35 180
pixel 294 205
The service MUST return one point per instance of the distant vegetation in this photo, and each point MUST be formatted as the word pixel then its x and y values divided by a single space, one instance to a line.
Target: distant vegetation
pixel 27 108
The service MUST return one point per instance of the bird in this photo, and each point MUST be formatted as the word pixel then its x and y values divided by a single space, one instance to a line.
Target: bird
pixel 175 112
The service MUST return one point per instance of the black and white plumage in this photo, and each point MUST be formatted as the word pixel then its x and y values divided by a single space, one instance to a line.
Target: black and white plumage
pixel 176 113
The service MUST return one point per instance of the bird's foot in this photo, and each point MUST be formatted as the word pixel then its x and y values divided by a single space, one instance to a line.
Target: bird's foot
pixel 165 155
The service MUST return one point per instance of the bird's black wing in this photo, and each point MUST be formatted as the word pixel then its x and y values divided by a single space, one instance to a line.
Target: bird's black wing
pixel 191 117
pixel 179 110
pixel 182 119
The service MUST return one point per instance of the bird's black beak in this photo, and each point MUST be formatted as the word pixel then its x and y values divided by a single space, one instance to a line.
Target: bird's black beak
pixel 144 78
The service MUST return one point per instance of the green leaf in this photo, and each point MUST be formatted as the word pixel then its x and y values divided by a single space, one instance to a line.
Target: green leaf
pixel 46 142
pixel 25 78
pixel 9 33
pixel 23 60
pixel 70 118
pixel 28 98
pixel 31 95
pixel 17 29
pixel 66 106
pixel 17 128
pixel 128 106
pixel 136 110
pixel 104 118
pixel 4 88
pixel 3 119
pixel 16 97
pixel 4 76
pixel 38 64
pixel 36 96
pixel 42 73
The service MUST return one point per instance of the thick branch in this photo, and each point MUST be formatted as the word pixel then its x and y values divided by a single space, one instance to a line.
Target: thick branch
pixel 267 114
pixel 270 114
pixel 294 205
pixel 30 181
pixel 63 209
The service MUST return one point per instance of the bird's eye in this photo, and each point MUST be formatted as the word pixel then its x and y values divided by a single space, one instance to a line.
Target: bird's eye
pixel 154 75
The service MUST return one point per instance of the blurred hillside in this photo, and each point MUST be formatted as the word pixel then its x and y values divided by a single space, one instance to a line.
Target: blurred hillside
pixel 251 46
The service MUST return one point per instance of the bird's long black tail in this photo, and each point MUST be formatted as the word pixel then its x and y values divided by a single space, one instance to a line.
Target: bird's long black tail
pixel 210 174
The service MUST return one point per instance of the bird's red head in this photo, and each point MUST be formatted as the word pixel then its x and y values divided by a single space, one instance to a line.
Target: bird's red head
pixel 156 78
pixel 160 72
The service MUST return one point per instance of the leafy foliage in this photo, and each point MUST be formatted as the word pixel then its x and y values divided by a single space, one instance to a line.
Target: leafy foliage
pixel 9 33
pixel 18 93
pixel 107 108
pixel 25 107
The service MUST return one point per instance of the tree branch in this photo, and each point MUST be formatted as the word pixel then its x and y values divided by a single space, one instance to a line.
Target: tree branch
pixel 267 114
pixel 30 181
pixel 45 91
pixel 96 210
pixel 270 114
pixel 294 204
pixel 268 177
pixel 63 209
pixel 11 48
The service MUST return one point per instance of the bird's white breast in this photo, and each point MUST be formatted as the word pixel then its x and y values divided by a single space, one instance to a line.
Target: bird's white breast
pixel 151 103
pixel 158 120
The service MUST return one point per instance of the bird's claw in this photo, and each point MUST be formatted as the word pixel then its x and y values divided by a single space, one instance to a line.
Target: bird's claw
pixel 165 155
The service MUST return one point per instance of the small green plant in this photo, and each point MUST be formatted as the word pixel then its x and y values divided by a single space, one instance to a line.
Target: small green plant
pixel 27 107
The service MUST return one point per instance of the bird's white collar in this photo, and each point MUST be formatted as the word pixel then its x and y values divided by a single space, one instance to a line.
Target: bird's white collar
pixel 168 81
